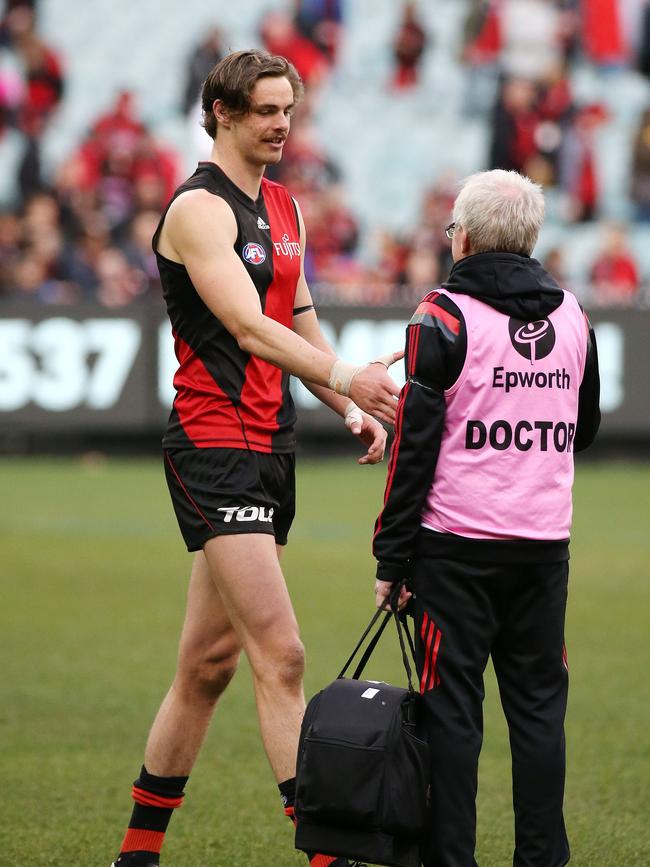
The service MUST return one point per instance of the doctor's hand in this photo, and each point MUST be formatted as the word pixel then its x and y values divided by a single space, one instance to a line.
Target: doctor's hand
pixel 373 389
pixel 383 590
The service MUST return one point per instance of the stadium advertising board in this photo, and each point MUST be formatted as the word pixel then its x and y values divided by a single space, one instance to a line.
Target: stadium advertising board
pixel 91 369
pixel 77 369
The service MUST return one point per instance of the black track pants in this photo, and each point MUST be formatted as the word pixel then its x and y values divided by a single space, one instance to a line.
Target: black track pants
pixel 463 613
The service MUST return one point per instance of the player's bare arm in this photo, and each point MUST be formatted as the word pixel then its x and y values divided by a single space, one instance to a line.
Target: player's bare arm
pixel 360 423
pixel 305 323
pixel 199 232
pixel 364 375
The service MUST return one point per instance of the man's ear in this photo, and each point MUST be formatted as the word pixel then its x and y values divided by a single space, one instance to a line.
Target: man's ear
pixel 465 244
pixel 221 113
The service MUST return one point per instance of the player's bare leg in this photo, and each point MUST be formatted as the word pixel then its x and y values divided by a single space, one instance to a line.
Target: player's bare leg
pixel 237 598
pixel 208 655
pixel 247 572
pixel 207 659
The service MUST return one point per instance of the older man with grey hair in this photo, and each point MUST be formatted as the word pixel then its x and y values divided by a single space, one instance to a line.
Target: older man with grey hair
pixel 502 388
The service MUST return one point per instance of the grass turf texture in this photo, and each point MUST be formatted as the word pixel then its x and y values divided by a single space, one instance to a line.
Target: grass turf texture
pixel 93 586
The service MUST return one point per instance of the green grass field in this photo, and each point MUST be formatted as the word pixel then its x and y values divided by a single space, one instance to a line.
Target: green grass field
pixel 93 584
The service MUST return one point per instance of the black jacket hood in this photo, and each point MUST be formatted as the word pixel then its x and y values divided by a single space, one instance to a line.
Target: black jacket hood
pixel 515 285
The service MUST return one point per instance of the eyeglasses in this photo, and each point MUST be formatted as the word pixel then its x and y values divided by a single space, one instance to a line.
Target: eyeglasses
pixel 449 230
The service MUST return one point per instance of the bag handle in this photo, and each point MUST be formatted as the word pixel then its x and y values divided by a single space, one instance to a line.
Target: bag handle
pixel 400 624
pixel 371 645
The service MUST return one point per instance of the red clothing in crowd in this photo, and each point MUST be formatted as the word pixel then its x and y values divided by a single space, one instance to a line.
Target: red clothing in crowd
pixel 602 34
pixel 486 47
pixel 615 277
pixel 556 100
pixel 281 36
pixel 44 85
pixel 524 142
pixel 408 48
pixel 587 184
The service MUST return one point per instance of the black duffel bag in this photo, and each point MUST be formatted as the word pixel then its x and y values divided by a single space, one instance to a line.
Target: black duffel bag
pixel 362 775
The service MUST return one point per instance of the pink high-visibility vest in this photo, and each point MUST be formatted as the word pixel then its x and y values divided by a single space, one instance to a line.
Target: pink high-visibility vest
pixel 505 469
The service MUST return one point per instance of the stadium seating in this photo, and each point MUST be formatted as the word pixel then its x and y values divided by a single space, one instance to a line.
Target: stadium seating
pixel 390 146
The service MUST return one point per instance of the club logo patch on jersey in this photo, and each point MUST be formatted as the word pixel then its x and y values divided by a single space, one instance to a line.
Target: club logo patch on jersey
pixel 254 253
pixel 533 340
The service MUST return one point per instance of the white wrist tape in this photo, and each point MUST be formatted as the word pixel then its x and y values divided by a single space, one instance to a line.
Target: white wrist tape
pixel 341 375
pixel 353 415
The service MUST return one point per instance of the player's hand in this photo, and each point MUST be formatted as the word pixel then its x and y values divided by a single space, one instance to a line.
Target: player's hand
pixel 374 390
pixel 383 590
pixel 369 431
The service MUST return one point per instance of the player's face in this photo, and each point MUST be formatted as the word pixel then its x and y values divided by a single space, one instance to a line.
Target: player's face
pixel 261 133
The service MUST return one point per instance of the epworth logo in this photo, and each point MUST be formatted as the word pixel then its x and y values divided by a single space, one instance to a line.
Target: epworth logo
pixel 533 340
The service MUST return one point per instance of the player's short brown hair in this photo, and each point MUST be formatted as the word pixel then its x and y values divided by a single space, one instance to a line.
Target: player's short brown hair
pixel 233 78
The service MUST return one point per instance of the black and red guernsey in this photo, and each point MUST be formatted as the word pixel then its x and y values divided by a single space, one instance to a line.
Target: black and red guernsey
pixel 225 397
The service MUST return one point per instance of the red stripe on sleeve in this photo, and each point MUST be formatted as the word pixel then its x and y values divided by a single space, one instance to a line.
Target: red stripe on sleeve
pixel 394 452
pixel 416 344
pixel 438 312
pixel 411 333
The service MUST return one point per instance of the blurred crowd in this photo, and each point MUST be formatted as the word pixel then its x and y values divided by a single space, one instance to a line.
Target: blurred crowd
pixel 84 232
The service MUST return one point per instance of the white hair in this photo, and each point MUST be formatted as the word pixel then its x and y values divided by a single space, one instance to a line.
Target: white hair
pixel 500 211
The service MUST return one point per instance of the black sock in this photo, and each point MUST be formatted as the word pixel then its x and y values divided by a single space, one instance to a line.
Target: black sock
pixel 288 795
pixel 155 798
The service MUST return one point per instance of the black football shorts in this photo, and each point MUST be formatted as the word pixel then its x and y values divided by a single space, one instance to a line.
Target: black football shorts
pixel 223 492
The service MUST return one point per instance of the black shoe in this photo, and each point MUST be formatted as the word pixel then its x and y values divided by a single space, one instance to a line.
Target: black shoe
pixel 122 862
pixel 345 862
